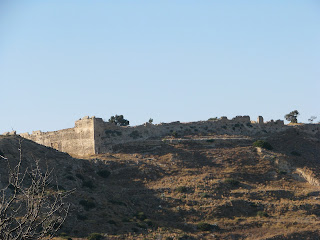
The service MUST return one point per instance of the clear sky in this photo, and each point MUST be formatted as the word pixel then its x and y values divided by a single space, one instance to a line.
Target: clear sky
pixel 168 60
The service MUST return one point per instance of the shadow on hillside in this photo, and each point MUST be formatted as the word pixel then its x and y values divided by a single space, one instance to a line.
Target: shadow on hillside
pixel 123 204
pixel 118 203
pixel 185 155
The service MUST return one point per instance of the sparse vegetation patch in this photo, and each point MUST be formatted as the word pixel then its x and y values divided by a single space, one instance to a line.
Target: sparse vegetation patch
pixel 135 134
pixel 104 173
pixel 95 236
pixel 87 204
pixel 231 181
pixel 262 144
pixel 182 189
pixel 296 153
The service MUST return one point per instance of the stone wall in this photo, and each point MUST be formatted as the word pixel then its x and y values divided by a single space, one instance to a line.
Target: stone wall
pixel 93 135
pixel 77 141
pixel 107 135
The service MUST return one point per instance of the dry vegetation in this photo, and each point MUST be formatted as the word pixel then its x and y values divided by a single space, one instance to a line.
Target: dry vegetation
pixel 190 190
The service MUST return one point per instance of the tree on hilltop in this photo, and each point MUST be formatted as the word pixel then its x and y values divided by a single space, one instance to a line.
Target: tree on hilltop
pixel 118 120
pixel 292 116
pixel 312 118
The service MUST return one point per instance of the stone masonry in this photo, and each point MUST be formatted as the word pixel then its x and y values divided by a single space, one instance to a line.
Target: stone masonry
pixel 92 135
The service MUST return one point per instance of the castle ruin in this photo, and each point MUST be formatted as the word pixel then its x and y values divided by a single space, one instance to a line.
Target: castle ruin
pixel 92 135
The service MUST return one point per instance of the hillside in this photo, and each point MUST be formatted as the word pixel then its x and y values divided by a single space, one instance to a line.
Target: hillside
pixel 201 187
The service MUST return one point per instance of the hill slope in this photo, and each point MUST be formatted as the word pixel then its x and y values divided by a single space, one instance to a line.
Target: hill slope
pixel 191 189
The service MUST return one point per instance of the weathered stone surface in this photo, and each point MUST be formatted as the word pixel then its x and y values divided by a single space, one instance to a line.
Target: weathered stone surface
pixel 92 135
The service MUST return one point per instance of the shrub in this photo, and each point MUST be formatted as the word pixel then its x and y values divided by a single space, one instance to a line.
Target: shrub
pixel 82 217
pixel 295 153
pixel 141 225
pixel 112 133
pixel 262 144
pixel 65 236
pixel 125 219
pixel 141 216
pixel 213 119
pixel 78 175
pixel 262 214
pixel 204 195
pixel 104 173
pixel 70 177
pixel 112 222
pixel 232 181
pixel 148 222
pixel 210 140
pixel 88 184
pixel 134 134
pixel 87 204
pixel 185 237
pixel 182 189
pixel 95 236
pixel 282 172
pixel 116 202
pixel 174 134
pixel 202 226
pixel 135 229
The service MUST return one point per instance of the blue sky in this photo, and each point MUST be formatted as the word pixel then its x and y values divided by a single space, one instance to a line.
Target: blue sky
pixel 168 60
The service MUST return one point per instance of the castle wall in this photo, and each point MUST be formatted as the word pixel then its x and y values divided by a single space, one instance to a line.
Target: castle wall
pixel 93 135
pixel 107 135
pixel 77 141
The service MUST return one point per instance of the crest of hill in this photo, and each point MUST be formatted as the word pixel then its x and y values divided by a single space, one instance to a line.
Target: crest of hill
pixel 94 136
pixel 142 191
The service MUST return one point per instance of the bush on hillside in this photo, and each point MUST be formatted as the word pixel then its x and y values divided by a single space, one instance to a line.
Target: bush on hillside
pixel 95 236
pixel 262 144
pixel 203 226
pixel 135 134
pixel 88 184
pixel 262 214
pixel 182 189
pixel 232 182
pixel 295 153
pixel 87 204
pixel 103 173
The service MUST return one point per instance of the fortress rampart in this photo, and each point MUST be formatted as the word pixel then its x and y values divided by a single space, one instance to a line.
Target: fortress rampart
pixel 92 135
pixel 76 141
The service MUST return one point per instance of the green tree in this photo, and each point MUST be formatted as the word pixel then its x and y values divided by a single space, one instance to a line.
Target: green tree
pixel 118 120
pixel 292 116
pixel 150 120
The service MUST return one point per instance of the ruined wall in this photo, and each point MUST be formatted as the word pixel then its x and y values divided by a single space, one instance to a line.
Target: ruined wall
pixel 77 141
pixel 107 135
pixel 93 135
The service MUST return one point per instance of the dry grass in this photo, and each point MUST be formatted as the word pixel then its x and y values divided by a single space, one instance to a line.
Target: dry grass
pixel 164 192
pixel 238 189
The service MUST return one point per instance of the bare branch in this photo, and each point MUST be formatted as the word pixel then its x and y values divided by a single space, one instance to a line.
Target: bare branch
pixel 29 209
